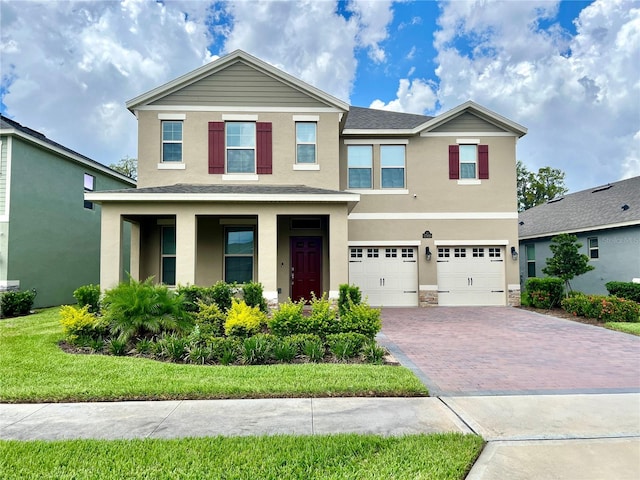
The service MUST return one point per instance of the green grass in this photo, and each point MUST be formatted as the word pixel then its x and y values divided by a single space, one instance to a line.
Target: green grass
pixel 34 369
pixel 626 327
pixel 344 456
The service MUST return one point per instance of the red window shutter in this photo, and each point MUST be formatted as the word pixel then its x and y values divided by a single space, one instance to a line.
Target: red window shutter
pixel 483 162
pixel 263 145
pixel 216 147
pixel 454 162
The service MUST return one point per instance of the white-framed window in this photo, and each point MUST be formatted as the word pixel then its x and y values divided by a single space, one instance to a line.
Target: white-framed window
pixel 392 166
pixel 530 250
pixel 172 141
pixel 594 250
pixel 168 254
pixel 360 161
pixel 239 248
pixel 241 147
pixel 89 186
pixel 468 161
pixel 306 142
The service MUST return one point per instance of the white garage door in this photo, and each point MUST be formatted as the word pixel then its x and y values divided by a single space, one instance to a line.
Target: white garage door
pixel 471 276
pixel 387 276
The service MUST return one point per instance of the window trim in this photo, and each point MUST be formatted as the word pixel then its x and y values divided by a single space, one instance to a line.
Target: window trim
pixel 595 249
pixel 530 261
pixel 225 255
pixel 474 162
pixel 314 143
pixel 164 142
pixel 370 167
pixel 242 147
pixel 404 168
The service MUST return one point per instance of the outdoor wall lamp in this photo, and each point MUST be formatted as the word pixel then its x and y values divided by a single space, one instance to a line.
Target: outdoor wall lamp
pixel 514 253
pixel 427 253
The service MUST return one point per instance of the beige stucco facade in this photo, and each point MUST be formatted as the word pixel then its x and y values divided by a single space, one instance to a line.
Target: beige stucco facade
pixel 312 200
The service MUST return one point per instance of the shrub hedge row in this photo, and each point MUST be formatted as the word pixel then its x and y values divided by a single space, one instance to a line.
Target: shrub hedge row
pixel 626 290
pixel 603 308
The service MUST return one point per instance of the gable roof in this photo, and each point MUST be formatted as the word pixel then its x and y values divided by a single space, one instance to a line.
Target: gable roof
pixel 363 121
pixel 224 62
pixel 592 209
pixel 11 127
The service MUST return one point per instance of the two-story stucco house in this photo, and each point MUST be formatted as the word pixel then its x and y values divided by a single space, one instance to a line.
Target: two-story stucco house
pixel 247 173
pixel 49 234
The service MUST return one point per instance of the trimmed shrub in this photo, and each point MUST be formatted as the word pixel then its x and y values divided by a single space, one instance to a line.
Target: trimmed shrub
pixel 603 308
pixel 323 319
pixel 210 319
pixel 348 294
pixel 15 304
pixel 243 320
pixel 288 319
pixel 545 292
pixel 222 295
pixel 138 309
pixel 79 324
pixel 361 318
pixel 626 290
pixel 252 293
pixel 88 295
pixel 194 296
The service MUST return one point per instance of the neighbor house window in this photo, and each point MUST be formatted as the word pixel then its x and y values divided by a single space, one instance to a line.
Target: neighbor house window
pixel 360 159
pixel 238 254
pixel 531 260
pixel 241 147
pixel 171 141
pixel 89 186
pixel 594 251
pixel 392 162
pixel 168 255
pixel 306 142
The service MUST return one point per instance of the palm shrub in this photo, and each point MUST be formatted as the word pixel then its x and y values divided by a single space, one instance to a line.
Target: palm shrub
pixel 253 295
pixel 288 319
pixel 140 309
pixel 88 295
pixel 243 320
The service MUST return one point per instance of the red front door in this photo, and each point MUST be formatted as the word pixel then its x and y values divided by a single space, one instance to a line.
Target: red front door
pixel 306 267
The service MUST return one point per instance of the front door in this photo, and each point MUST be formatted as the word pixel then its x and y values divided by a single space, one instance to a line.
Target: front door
pixel 306 267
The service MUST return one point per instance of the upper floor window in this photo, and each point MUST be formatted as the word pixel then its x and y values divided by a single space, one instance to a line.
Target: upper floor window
pixel 172 141
pixel 594 251
pixel 306 142
pixel 89 186
pixel 468 161
pixel 241 147
pixel 392 165
pixel 360 161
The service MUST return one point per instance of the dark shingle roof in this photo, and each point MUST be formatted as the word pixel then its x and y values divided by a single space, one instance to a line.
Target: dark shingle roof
pixel 582 211
pixel 187 188
pixel 360 118
pixel 8 124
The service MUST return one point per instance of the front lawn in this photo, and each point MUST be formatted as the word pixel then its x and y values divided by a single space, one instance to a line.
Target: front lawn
pixel 35 369
pixel 626 327
pixel 348 456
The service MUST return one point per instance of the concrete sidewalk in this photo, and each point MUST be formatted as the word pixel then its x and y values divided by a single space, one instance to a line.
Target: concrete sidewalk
pixel 544 436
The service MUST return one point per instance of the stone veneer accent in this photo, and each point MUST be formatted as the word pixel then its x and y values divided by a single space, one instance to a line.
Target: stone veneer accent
pixel 428 298
pixel 514 298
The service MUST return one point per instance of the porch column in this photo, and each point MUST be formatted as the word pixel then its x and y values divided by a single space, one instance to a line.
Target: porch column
pixel 338 251
pixel 134 266
pixel 268 256
pixel 185 248
pixel 110 247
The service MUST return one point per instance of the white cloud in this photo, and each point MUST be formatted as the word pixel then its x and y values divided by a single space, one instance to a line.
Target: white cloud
pixel 578 95
pixel 69 67
pixel 413 96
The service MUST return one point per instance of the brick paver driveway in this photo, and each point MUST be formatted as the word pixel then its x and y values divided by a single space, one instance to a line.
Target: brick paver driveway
pixel 505 350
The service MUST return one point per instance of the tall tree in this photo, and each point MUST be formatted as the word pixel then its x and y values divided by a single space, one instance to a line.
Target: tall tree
pixel 127 166
pixel 536 188
pixel 567 262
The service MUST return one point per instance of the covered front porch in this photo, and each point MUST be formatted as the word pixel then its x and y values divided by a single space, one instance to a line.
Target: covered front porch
pixel 295 244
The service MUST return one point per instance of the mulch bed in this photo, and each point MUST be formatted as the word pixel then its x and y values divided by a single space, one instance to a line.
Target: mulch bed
pixel 560 313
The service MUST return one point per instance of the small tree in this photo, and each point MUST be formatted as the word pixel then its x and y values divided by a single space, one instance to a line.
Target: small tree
pixel 126 166
pixel 566 262
pixel 537 188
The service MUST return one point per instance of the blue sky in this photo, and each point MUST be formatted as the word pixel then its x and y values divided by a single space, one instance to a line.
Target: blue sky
pixel 568 71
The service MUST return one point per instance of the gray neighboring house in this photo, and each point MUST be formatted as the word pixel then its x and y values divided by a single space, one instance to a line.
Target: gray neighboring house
pixel 606 220
pixel 49 234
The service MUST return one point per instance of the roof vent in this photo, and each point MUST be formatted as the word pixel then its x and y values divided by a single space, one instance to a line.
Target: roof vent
pixel 625 207
pixel 554 200
pixel 601 189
